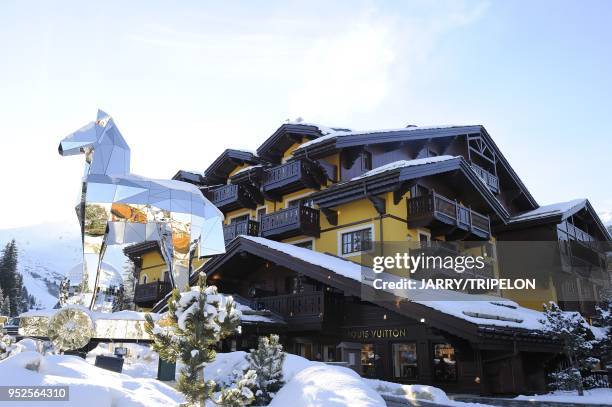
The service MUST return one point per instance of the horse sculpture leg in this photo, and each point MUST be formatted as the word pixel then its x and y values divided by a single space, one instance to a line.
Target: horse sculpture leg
pixel 94 224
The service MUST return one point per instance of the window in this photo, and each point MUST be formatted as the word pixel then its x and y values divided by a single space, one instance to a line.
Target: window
pixel 357 241
pixel 444 362
pixel 405 360
pixel 260 213
pixel 366 161
pixel 306 244
pixel 239 219
pixel 368 359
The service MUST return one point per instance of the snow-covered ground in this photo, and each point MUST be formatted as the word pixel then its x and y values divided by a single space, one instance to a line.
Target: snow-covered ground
pixel 594 396
pixel 88 385
pixel 307 383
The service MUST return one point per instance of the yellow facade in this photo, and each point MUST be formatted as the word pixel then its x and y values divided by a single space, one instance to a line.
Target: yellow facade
pixel 354 215
pixel 152 267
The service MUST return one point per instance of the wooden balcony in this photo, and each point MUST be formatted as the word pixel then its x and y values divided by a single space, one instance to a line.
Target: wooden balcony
pixel 304 311
pixel 293 221
pixel 489 179
pixel 447 217
pixel 233 196
pixel 146 295
pixel 245 227
pixel 292 176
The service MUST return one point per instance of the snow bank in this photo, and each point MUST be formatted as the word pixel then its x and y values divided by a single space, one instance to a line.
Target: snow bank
pixel 89 386
pixel 224 365
pixel 307 383
pixel 140 360
pixel 327 386
pixel 416 392
pixel 593 396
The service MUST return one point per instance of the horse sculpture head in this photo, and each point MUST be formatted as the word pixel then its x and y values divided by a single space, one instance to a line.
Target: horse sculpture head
pixel 105 149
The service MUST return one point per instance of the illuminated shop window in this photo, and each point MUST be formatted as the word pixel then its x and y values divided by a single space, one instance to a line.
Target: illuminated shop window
pixel 368 358
pixel 444 362
pixel 405 360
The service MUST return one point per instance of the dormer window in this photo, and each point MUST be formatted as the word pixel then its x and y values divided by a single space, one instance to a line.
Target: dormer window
pixel 366 161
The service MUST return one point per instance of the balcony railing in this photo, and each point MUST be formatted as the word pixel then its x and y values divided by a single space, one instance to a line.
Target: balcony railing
pixel 303 308
pixel 231 196
pixel 150 293
pixel 427 209
pixel 292 176
pixel 293 221
pixel 245 227
pixel 491 180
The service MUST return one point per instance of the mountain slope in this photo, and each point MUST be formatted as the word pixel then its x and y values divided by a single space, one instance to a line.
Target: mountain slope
pixel 46 253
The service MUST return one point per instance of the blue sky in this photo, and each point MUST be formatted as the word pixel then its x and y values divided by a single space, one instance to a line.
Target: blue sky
pixel 186 80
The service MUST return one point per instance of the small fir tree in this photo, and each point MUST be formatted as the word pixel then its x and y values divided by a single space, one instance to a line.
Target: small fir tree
pixel 195 321
pixel 577 340
pixel 267 362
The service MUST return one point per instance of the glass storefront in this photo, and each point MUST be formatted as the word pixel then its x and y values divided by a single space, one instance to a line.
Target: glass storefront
pixel 405 360
pixel 368 360
pixel 444 363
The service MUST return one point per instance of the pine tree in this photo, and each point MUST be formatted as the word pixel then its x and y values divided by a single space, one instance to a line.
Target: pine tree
pixel 577 339
pixel 129 281
pixel 10 278
pixel 604 345
pixel 196 320
pixel 267 362
pixel 5 309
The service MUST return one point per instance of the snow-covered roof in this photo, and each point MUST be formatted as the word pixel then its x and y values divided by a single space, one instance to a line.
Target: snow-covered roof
pixel 477 309
pixel 331 133
pixel 403 164
pixel 550 210
pixel 251 316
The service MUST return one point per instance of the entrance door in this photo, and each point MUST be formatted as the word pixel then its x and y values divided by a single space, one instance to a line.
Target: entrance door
pixel 304 350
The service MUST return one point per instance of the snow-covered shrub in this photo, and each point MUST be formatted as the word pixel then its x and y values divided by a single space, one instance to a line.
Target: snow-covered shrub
pixel 6 342
pixel 577 339
pixel 195 321
pixel 240 392
pixel 565 379
pixel 267 362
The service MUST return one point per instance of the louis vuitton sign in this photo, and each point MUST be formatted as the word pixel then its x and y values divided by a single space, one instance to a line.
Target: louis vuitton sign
pixel 377 333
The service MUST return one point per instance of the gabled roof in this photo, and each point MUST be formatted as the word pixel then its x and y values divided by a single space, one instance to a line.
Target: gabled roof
pixel 220 169
pixel 334 141
pixel 464 315
pixel 137 249
pixel 391 176
pixel 289 133
pixel 558 212
pixel 192 177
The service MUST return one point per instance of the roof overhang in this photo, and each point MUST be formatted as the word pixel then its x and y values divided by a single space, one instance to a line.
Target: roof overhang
pixel 284 137
pixel 396 179
pixel 560 216
pixel 220 169
pixel 482 334
pixel 333 145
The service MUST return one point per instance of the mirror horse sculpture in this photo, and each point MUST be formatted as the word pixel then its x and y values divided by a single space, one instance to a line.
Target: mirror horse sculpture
pixel 117 207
